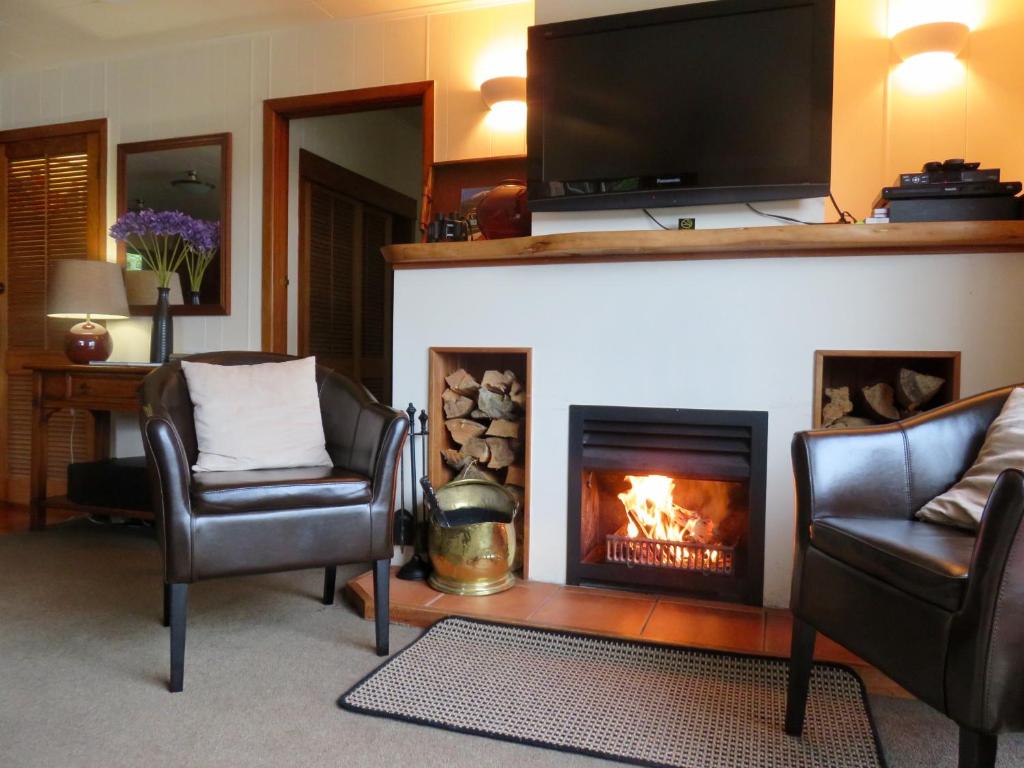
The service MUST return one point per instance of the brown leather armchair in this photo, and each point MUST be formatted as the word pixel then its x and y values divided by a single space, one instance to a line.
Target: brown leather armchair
pixel 213 524
pixel 939 610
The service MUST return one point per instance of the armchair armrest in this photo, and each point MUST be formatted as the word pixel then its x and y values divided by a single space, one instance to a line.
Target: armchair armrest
pixel 850 473
pixel 376 447
pixel 985 667
pixel 170 479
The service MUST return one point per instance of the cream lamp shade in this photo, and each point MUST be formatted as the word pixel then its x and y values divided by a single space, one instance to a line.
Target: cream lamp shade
pixel 86 288
pixel 90 289
pixel 142 284
pixel 947 37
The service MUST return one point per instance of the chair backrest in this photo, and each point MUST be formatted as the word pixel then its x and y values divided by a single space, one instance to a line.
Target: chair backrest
pixel 943 443
pixel 165 394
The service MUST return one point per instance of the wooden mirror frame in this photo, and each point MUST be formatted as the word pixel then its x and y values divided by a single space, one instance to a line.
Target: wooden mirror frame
pixel 223 140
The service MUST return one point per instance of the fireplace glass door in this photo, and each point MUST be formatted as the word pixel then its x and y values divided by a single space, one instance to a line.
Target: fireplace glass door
pixel 668 499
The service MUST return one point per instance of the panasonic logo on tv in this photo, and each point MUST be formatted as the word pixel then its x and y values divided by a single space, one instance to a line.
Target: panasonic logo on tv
pixel 674 180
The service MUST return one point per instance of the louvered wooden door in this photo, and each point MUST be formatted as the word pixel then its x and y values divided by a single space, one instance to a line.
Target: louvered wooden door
pixel 345 286
pixel 52 209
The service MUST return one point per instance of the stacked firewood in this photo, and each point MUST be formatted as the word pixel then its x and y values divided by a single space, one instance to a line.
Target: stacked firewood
pixel 485 420
pixel 880 402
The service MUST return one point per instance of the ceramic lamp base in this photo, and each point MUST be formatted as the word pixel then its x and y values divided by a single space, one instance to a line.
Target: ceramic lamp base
pixel 86 342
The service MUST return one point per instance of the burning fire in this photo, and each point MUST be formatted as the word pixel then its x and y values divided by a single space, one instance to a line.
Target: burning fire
pixel 652 513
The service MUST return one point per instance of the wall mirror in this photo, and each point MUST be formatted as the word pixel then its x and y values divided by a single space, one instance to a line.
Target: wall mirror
pixel 191 174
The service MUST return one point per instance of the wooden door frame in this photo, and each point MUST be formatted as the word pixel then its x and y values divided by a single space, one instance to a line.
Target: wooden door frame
pixel 277 115
pixel 96 249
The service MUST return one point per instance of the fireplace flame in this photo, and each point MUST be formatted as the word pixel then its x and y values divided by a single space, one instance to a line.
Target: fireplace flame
pixel 651 512
pixel 658 532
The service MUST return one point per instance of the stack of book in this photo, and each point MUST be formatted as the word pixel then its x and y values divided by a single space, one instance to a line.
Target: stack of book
pixel 879 216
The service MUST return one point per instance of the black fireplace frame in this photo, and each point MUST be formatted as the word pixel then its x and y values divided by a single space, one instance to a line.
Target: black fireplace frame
pixel 740 438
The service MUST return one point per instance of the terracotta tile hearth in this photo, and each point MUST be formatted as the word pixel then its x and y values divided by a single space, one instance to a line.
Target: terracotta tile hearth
pixel 630 615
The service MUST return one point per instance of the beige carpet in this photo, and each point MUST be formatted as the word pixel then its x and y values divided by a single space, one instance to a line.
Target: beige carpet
pixel 83 665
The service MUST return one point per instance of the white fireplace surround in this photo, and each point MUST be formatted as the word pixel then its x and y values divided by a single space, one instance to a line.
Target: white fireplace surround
pixel 723 333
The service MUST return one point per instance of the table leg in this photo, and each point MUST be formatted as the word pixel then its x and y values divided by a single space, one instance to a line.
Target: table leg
pixel 100 434
pixel 39 460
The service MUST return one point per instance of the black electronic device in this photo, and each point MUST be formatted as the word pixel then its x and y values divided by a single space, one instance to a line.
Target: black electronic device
pixel 954 189
pixel 712 102
pixel 121 484
pixel 955 209
pixel 450 228
pixel 941 177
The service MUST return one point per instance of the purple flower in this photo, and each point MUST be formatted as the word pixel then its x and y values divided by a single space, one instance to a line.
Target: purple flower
pixel 203 235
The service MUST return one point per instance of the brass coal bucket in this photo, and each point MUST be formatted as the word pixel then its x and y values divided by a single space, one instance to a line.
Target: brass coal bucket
pixel 474 558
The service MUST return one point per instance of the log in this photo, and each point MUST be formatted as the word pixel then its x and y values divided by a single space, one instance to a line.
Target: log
pixel 477 448
pixel 502 453
pixel 852 422
pixel 518 394
pixel 474 471
pixel 496 405
pixel 498 381
pixel 516 475
pixel 838 405
pixel 463 429
pixel 503 428
pixel 881 401
pixel 462 382
pixel 915 389
pixel 455 459
pixel 456 404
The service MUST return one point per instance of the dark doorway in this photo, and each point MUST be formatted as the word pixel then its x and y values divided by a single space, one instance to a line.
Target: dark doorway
pixel 344 283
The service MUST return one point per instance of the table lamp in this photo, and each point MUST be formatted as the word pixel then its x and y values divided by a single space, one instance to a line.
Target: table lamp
pixel 86 289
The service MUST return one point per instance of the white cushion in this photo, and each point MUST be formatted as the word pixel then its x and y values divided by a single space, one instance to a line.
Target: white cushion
pixel 961 506
pixel 264 416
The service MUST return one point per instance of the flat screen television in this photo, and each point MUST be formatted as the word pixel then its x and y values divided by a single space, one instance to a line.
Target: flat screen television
pixel 714 102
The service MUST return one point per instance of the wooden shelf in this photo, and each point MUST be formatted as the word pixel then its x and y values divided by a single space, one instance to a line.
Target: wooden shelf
pixel 743 243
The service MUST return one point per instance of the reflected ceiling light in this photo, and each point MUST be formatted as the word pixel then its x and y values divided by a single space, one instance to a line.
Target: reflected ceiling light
pixel 192 183
pixel 946 38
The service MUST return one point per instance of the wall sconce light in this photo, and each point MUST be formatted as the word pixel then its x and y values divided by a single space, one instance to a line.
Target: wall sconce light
pixel 505 97
pixel 946 38
pixel 929 56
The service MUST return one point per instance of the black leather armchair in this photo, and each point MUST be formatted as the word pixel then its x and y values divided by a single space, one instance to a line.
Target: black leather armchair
pixel 939 610
pixel 213 524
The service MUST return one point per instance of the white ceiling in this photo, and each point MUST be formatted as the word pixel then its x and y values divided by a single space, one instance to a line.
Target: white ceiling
pixel 42 33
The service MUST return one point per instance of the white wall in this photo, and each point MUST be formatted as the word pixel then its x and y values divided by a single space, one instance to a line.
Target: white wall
pixel 728 334
pixel 384 145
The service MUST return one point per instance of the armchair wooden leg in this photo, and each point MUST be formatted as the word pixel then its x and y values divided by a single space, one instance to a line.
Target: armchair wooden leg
pixel 178 610
pixel 381 608
pixel 977 750
pixel 167 605
pixel 330 579
pixel 800 660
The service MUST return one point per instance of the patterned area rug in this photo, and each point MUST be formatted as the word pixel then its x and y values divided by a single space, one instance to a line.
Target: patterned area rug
pixel 635 702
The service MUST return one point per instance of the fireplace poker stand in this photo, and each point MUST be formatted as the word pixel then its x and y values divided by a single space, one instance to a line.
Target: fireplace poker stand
pixel 418 568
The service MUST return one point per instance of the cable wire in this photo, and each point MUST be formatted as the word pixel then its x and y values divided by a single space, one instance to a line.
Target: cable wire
pixel 651 217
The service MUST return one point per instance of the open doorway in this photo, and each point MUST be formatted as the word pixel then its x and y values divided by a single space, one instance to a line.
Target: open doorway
pixel 355 183
pixel 344 174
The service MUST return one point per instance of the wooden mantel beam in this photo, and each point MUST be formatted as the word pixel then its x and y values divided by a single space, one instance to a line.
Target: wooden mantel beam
pixel 743 243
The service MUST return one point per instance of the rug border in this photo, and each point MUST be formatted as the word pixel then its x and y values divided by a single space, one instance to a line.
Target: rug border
pixel 344 704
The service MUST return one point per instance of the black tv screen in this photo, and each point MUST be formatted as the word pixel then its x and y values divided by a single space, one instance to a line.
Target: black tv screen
pixel 715 102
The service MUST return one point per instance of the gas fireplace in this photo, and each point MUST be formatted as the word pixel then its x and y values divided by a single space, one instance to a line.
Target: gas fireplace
pixel 668 499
